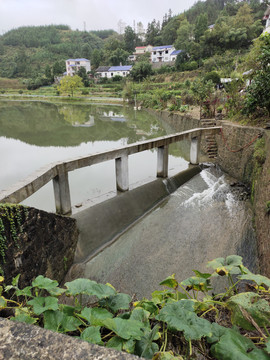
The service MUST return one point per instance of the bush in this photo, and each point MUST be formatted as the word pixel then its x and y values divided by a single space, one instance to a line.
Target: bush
pixel 85 92
pixel 213 76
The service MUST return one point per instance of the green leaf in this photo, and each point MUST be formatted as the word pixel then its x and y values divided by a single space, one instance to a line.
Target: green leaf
pixel 58 321
pixel 42 282
pixel 56 291
pixel 267 343
pixel 15 280
pixel 254 305
pixel 232 264
pixel 116 302
pixel 41 304
pixel 141 315
pixel 233 346
pixel 92 335
pixel 258 279
pixel 23 317
pixel 24 292
pixel 180 316
pixel 168 355
pixel 129 346
pixel 89 287
pixel 95 316
pixel 3 302
pixel 202 275
pixel 146 347
pixel 170 282
pixel 149 306
pixel 126 329
pixel 116 343
pixel 196 283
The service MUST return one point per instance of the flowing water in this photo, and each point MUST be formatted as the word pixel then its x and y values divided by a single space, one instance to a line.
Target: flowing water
pixel 202 220
pixel 33 134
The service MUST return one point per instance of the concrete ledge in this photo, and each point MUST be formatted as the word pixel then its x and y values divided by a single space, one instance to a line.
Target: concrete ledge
pixel 27 342
pixel 100 224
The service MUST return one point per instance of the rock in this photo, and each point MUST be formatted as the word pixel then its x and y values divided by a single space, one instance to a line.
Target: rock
pixel 29 342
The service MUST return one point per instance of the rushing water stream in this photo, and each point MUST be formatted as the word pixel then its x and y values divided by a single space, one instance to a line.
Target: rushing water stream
pixel 200 221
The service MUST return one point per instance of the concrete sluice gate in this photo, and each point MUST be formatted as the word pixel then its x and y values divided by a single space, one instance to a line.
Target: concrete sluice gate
pixel 203 219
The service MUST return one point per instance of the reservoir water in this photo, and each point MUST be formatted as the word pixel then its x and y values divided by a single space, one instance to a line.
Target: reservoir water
pixel 33 134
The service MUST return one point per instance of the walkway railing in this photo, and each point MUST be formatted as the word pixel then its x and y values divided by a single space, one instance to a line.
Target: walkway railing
pixel 58 172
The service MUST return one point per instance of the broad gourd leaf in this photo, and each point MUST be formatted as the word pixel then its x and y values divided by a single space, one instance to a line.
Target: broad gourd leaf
pixel 254 305
pixel 1 279
pixel 232 264
pixel 142 316
pixel 88 287
pixel 116 302
pixel 165 296
pixel 95 316
pixel 170 282
pixel 146 347
pixel 196 283
pixel 180 316
pixel 168 355
pixel 202 275
pixel 42 282
pixel 92 335
pixel 26 318
pixel 126 329
pixel 129 346
pixel 149 306
pixel 3 302
pixel 42 304
pixel 60 322
pixel 24 292
pixel 115 343
pixel 258 279
pixel 267 343
pixel 234 346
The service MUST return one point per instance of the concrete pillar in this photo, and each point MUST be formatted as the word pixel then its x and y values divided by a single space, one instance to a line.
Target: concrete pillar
pixel 121 172
pixel 162 161
pixel 62 194
pixel 194 150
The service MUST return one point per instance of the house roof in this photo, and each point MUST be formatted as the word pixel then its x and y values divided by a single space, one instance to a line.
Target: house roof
pixel 82 59
pixel 120 68
pixel 162 47
pixel 176 52
pixel 103 69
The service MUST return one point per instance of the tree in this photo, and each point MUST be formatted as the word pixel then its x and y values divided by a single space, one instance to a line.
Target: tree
pixel 69 84
pixel 141 70
pixel 200 26
pixel 257 96
pixel 118 56
pixel 58 68
pixel 130 39
pixel 184 35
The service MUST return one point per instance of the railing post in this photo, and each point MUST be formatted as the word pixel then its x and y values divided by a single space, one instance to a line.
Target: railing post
pixel 194 150
pixel 121 172
pixel 62 194
pixel 162 161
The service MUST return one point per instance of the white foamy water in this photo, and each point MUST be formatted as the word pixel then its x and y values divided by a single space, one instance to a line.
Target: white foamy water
pixel 217 190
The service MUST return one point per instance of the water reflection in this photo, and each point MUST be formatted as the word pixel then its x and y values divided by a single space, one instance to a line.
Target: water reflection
pixel 33 134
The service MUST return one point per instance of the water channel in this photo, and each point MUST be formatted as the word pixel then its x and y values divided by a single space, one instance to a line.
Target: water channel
pixel 34 134
pixel 202 220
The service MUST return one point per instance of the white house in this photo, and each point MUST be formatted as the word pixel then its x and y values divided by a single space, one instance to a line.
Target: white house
pixel 110 72
pixel 174 54
pixel 267 18
pixel 162 53
pixel 140 50
pixel 73 65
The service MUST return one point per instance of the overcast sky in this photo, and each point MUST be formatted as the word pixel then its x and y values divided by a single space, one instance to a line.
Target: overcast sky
pixel 93 14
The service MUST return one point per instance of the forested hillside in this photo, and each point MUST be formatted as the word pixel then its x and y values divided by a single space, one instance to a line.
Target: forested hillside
pixel 213 34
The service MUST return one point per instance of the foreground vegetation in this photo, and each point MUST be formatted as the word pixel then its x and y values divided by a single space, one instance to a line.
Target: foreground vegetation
pixel 184 321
